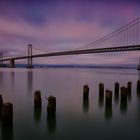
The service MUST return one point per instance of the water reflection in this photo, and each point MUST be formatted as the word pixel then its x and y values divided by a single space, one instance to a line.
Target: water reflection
pixel 101 100
pixel 7 131
pixel 116 98
pixel 12 80
pixel 129 96
pixel 85 105
pixel 138 94
pixel 37 113
pixel 12 77
pixel 123 106
pixel 30 81
pixel 0 117
pixel 108 112
pixel 51 123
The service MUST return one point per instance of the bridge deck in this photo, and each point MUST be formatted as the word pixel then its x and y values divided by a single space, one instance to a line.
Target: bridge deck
pixel 76 52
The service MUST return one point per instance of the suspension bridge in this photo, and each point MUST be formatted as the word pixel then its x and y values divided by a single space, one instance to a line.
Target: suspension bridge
pixel 126 38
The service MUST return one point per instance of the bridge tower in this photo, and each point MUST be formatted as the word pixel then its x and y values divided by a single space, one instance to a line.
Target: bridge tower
pixel 30 61
pixel 12 63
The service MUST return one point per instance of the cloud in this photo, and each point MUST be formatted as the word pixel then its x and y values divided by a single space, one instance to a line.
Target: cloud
pixel 59 26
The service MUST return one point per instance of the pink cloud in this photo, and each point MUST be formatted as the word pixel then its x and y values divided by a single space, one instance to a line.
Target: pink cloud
pixel 67 28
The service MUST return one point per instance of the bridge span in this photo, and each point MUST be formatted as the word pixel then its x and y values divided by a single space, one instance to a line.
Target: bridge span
pixel 127 38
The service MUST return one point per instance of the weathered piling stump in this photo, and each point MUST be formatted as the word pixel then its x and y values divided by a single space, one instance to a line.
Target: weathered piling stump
pixel 101 89
pixel 116 92
pixel 117 86
pixel 108 104
pixel 1 103
pixel 123 93
pixel 37 98
pixel 85 92
pixel 101 94
pixel 129 85
pixel 7 114
pixel 123 102
pixel 51 106
pixel 108 98
pixel 138 88
pixel 138 85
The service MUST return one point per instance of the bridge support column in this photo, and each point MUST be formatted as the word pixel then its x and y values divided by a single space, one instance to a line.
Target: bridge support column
pixel 30 61
pixel 12 63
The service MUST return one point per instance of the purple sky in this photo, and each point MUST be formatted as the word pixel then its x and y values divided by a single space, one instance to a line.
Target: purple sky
pixel 59 25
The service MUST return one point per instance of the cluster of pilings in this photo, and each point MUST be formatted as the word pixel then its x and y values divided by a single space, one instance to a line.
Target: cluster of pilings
pixel 6 109
pixel 51 109
pixel 6 113
pixel 123 93
pixel 51 106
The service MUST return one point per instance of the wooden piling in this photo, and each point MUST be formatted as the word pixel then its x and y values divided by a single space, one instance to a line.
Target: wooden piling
pixel 129 85
pixel 37 98
pixel 108 98
pixel 1 102
pixel 123 93
pixel 138 85
pixel 116 92
pixel 123 101
pixel 117 86
pixel 108 104
pixel 7 114
pixel 101 89
pixel 138 88
pixel 85 92
pixel 51 106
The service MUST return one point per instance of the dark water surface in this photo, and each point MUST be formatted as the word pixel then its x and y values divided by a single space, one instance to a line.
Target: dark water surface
pixel 75 119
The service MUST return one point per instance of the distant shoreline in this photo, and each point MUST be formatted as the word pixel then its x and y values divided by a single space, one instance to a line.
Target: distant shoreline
pixel 126 66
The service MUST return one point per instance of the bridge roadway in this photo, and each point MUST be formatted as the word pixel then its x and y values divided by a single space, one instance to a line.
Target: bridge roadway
pixel 76 52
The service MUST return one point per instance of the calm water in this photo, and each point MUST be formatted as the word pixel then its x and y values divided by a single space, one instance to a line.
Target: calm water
pixel 74 118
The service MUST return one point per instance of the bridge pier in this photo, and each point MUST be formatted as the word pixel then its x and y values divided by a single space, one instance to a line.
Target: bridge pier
pixel 30 61
pixel 12 63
